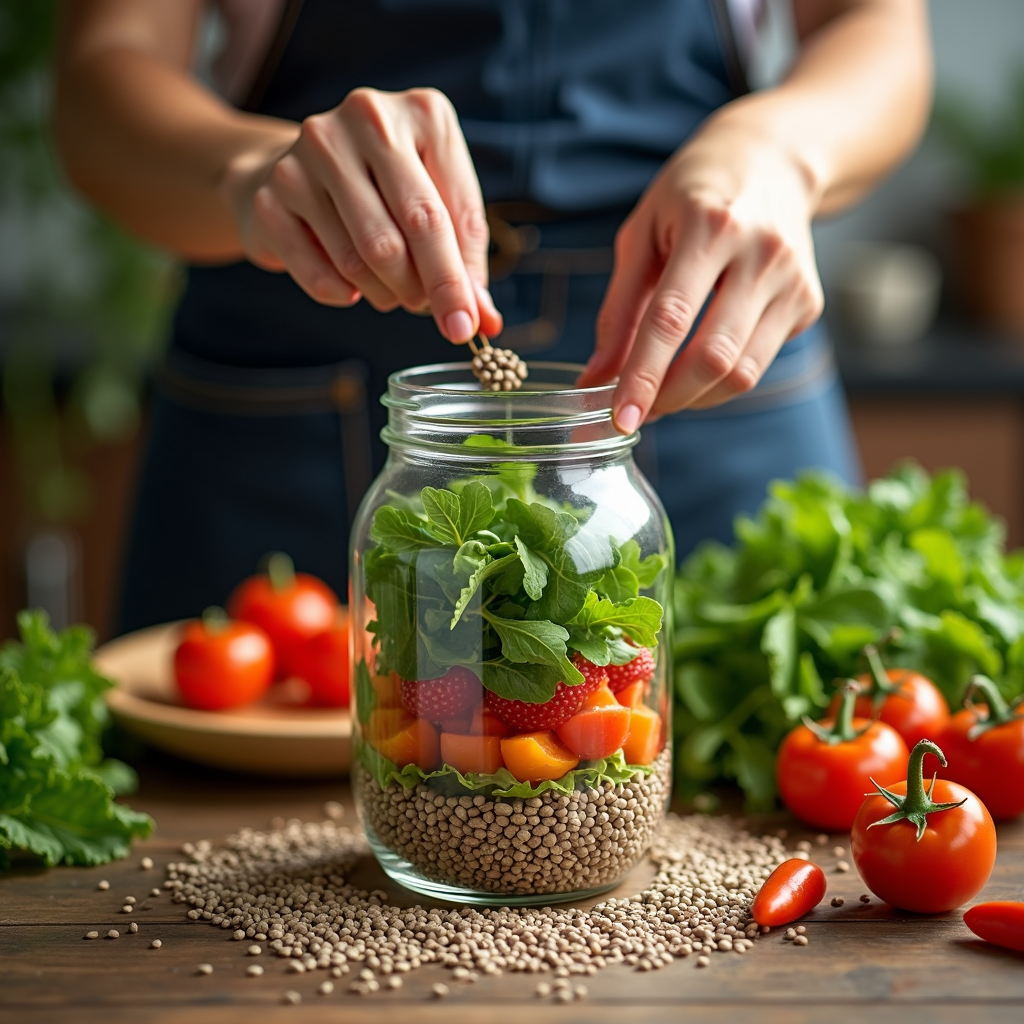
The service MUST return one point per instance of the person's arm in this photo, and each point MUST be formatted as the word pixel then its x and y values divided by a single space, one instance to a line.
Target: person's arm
pixel 376 198
pixel 730 213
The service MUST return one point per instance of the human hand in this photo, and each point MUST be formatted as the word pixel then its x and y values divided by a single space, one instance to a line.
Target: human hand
pixel 376 199
pixel 728 216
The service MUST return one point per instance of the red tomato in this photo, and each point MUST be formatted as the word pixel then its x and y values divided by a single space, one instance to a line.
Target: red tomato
pixel 324 662
pixel 913 705
pixel 290 607
pixel 222 664
pixel 824 769
pixel 924 851
pixel 1000 922
pixel 793 889
pixel 986 752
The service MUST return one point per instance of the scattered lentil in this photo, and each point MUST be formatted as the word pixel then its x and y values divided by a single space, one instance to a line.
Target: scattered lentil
pixel 127 908
pixel 439 989
pixel 296 967
pixel 131 900
pixel 326 988
pixel 133 928
pixel 800 929
pixel 564 995
pixel 865 898
pixel 800 940
pixel 821 839
pixel 254 970
pixel 543 990
pixel 703 961
pixel 291 997
pixel 580 991
pixel 801 855
pixel 838 851
pixel 790 933
pixel 803 845
pixel 289 887
pixel 334 810
pixel 204 969
pixel 254 950
pixel 837 901
pixel 103 886
pixel 842 866
pixel 91 935
pixel 155 944
pixel 113 934
pixel 154 892
pixel 146 863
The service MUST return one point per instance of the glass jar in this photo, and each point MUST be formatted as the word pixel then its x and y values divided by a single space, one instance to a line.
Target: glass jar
pixel 510 569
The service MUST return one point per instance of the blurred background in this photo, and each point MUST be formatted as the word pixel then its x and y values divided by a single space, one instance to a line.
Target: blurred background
pixel 924 284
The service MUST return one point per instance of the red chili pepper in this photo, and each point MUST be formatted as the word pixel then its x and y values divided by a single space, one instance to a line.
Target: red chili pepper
pixel 793 889
pixel 1000 922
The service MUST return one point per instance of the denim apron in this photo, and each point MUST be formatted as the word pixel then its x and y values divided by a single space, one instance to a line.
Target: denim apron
pixel 266 421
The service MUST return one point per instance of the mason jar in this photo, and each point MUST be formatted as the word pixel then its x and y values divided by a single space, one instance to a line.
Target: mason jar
pixel 510 571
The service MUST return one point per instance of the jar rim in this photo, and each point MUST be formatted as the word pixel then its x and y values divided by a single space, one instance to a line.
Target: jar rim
pixel 439 407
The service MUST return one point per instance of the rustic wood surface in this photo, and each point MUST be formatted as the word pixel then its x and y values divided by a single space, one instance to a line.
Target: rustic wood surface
pixel 861 960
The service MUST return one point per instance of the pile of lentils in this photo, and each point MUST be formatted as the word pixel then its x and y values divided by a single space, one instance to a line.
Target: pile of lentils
pixel 553 843
pixel 286 891
pixel 498 369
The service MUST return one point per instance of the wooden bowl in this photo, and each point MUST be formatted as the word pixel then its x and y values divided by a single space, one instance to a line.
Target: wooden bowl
pixel 269 737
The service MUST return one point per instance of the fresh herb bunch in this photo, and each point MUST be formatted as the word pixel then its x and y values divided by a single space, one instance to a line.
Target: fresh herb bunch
pixel 480 578
pixel 764 626
pixel 56 790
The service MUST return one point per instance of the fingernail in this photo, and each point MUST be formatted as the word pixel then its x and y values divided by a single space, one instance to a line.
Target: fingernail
pixel 627 419
pixel 458 326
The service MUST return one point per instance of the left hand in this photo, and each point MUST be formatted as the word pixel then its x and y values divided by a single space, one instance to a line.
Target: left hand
pixel 728 217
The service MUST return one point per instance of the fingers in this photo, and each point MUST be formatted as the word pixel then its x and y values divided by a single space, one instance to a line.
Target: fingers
pixel 719 342
pixel 447 161
pixel 686 281
pixel 771 332
pixel 632 283
pixel 299 251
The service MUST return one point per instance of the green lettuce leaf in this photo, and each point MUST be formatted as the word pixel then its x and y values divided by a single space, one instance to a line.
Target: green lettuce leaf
pixel 502 783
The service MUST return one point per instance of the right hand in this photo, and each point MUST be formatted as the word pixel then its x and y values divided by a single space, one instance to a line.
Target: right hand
pixel 376 199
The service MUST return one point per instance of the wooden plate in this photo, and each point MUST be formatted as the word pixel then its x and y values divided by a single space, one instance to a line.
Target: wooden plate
pixel 266 738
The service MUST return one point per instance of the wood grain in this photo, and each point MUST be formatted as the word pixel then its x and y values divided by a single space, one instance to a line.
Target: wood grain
pixel 862 959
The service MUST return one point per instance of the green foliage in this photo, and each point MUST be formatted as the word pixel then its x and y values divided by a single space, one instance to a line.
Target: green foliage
pixel 84 278
pixel 763 627
pixel 56 790
pixel 992 148
pixel 485 579
pixel 502 783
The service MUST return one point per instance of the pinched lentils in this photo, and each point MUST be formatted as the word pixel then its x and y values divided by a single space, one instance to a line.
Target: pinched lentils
pixel 549 844
pixel 288 888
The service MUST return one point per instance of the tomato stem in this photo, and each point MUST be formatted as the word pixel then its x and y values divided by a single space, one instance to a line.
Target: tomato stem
pixel 917 804
pixel 882 682
pixel 999 712
pixel 215 620
pixel 842 730
pixel 281 570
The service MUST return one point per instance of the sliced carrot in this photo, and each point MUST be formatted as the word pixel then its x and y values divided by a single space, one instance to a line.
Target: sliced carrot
pixel 415 743
pixel 596 732
pixel 632 696
pixel 534 756
pixel 602 697
pixel 388 690
pixel 471 753
pixel 384 722
pixel 644 741
pixel 486 723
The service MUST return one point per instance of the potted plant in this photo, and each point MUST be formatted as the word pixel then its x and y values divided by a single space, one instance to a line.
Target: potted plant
pixel 987 230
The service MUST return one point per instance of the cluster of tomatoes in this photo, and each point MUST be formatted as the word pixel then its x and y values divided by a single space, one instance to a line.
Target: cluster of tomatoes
pixel 283 625
pixel 922 847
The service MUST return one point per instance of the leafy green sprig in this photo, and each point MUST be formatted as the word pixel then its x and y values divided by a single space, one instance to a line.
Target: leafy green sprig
pixel 482 578
pixel 821 571
pixel 56 789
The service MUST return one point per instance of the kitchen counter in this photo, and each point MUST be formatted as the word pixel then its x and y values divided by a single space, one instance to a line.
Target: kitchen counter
pixel 861 959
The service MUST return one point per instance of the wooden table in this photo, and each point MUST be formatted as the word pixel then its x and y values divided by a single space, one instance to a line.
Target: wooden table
pixel 861 960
